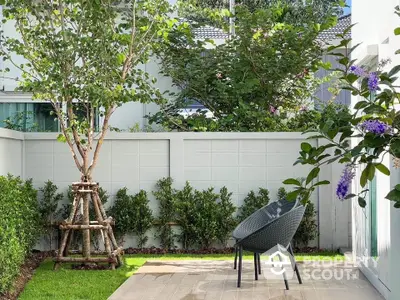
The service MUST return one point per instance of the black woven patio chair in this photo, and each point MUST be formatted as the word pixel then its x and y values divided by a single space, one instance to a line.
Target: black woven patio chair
pixel 279 231
pixel 259 219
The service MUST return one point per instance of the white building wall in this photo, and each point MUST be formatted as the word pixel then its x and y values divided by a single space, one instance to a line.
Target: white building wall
pixel 375 24
pixel 11 152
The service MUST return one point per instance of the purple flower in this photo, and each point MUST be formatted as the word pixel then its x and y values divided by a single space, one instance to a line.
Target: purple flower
pixel 376 126
pixel 343 187
pixel 373 81
pixel 272 109
pixel 358 71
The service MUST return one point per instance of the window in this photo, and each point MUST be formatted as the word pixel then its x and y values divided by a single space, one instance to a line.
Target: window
pixel 81 114
pixel 28 117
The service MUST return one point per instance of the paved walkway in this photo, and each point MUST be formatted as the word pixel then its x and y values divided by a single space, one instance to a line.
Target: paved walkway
pixel 216 280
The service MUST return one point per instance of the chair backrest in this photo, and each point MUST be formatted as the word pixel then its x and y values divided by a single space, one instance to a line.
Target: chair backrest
pixel 261 217
pixel 279 231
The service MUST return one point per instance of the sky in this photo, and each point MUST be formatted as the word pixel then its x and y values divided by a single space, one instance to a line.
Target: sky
pixel 347 9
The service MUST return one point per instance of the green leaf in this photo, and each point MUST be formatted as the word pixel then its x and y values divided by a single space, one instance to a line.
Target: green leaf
pixel 306 147
pixel 312 175
pixel 323 182
pixel 361 202
pixel 292 181
pixel 349 196
pixel 397 31
pixel 61 138
pixel 394 70
pixel 397 187
pixel 397 205
pixel 292 195
pixel 371 171
pixel 364 178
pixel 383 169
pixel 361 104
pixel 120 58
pixel 393 195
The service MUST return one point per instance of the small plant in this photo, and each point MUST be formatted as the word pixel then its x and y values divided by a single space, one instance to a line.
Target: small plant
pixel 308 229
pixel 165 195
pixel 204 216
pixel 143 217
pixel 281 195
pixel 48 204
pixel 225 220
pixel 185 216
pixel 253 202
pixel 132 215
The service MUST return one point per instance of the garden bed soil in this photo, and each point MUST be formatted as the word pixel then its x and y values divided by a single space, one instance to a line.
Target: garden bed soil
pixel 26 272
pixel 228 250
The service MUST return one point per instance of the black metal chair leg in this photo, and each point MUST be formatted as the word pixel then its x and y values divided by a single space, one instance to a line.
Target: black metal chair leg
pixel 240 266
pixel 284 275
pixel 296 269
pixel 236 255
pixel 259 263
pixel 256 266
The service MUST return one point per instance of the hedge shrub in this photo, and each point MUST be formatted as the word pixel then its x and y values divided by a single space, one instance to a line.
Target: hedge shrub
pixel 19 226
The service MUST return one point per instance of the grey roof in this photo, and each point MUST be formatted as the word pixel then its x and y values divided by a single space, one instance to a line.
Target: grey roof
pixel 342 24
pixel 210 32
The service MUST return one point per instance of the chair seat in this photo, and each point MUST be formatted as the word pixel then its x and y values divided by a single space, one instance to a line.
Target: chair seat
pixel 262 217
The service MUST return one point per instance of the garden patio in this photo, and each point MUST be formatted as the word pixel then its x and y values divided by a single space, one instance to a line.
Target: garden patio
pixel 184 150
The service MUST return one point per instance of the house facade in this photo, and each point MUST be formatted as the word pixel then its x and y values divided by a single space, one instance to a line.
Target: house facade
pixel 376 241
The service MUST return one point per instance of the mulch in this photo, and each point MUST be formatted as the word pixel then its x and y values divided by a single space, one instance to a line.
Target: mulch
pixel 27 270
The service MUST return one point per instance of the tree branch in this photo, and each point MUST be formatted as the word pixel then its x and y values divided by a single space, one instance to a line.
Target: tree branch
pixel 104 129
pixel 65 133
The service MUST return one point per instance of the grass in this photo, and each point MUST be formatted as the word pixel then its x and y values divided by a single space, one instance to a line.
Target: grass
pixel 68 284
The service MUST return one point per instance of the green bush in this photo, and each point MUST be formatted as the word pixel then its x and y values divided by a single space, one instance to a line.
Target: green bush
pixel 19 226
pixel 253 202
pixel 165 196
pixel 48 203
pixel 132 215
pixel 225 220
pixel 204 216
pixel 308 229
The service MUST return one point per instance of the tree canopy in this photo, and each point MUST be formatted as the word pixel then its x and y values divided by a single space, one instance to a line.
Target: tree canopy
pixel 266 69
pixel 87 52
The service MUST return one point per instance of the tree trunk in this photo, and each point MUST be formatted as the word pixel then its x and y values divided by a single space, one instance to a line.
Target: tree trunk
pixel 86 232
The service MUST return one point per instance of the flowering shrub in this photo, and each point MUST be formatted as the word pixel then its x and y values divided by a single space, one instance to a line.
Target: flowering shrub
pixel 375 122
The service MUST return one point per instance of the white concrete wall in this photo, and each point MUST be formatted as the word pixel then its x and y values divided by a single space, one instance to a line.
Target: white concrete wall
pixel 239 161
pixel 11 152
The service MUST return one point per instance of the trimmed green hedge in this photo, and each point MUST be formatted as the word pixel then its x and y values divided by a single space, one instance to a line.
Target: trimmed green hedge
pixel 19 226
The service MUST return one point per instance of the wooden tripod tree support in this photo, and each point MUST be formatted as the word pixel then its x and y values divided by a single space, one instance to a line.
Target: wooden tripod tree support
pixel 83 193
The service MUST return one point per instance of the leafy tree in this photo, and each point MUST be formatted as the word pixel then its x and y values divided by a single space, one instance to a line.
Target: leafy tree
pixel 48 204
pixel 89 53
pixel 263 74
pixel 375 124
pixel 253 202
pixel 166 196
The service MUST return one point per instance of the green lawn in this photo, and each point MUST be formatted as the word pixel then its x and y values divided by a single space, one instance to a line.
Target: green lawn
pixel 67 284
